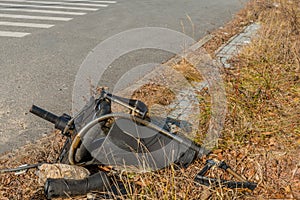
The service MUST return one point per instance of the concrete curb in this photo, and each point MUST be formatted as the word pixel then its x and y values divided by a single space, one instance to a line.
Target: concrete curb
pixel 235 44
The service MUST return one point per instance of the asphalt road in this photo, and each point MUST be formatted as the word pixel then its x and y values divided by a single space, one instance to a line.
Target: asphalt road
pixel 38 64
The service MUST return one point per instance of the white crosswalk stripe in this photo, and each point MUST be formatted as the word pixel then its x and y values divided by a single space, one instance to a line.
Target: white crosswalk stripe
pixel 45 6
pixel 49 9
pixel 35 17
pixel 12 34
pixel 92 1
pixel 23 24
pixel 43 11
pixel 57 3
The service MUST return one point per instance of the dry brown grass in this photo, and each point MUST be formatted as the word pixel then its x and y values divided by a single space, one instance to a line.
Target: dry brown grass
pixel 163 95
pixel 261 138
pixel 25 186
pixel 264 111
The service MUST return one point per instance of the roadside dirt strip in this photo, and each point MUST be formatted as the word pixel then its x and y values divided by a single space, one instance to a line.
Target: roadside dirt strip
pixel 197 54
